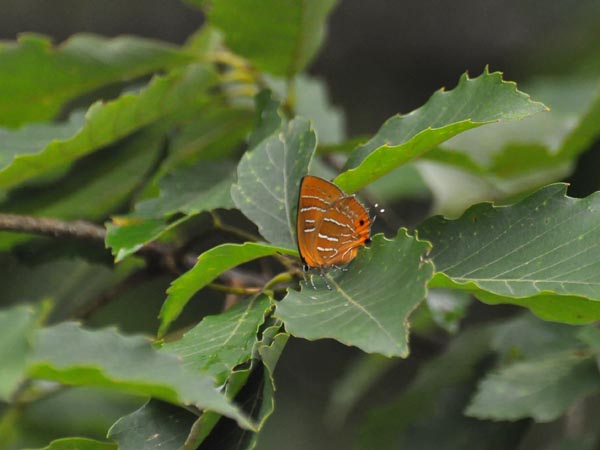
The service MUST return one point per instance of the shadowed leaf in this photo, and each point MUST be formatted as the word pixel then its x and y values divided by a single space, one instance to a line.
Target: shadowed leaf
pixel 156 425
pixel 16 329
pixel 542 388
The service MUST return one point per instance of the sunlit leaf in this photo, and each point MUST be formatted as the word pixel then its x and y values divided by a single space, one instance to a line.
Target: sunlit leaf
pixel 539 253
pixel 278 37
pixel 514 157
pixel 37 149
pixel 369 304
pixel 36 79
pixel 77 443
pixel 209 266
pixel 71 355
pixel 474 102
pixel 269 180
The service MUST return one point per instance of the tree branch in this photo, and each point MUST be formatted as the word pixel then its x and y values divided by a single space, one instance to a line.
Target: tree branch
pixel 153 252
pixel 46 226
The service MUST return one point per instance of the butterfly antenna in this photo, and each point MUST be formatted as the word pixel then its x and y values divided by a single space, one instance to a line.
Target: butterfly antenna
pixel 374 215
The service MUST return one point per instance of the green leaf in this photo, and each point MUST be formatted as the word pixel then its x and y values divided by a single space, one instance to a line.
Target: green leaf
pixel 527 337
pixel 537 253
pixel 269 180
pixel 27 283
pixel 188 190
pixel 73 356
pixel 447 307
pixel 368 305
pixel 36 79
pixel 92 189
pixel 126 236
pixel 269 117
pixel 278 37
pixel 37 149
pixel 312 102
pixel 542 388
pixel 156 425
pixel 76 443
pixel 365 372
pixel 401 183
pixel 270 349
pixel 388 424
pixel 587 130
pixel 214 133
pixel 256 397
pixel 221 342
pixel 514 157
pixel 198 146
pixel 16 329
pixel 209 266
pixel 474 102
pixel 590 335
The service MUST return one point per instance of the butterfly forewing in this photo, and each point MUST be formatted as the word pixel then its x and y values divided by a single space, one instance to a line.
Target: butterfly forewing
pixel 331 225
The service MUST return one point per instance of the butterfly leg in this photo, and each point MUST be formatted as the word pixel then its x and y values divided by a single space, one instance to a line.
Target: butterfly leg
pixel 323 275
pixel 312 282
pixel 340 268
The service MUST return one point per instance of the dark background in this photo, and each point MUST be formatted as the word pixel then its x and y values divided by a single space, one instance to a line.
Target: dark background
pixel 380 57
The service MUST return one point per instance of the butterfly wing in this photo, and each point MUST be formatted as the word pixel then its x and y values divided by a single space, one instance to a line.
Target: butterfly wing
pixel 344 228
pixel 317 196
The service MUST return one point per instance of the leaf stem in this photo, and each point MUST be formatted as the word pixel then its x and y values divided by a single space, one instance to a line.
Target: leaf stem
pixel 234 289
pixel 233 231
pixel 283 277
pixel 289 105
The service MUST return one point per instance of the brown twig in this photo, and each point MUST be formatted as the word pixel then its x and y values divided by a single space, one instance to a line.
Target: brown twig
pixel 153 252
pixel 156 254
pixel 45 226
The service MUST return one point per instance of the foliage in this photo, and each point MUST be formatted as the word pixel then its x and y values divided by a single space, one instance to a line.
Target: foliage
pixel 189 175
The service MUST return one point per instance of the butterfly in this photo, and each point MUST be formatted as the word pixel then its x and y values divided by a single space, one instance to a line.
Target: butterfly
pixel 331 226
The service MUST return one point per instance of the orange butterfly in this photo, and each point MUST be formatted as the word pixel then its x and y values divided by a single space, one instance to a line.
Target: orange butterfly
pixel 331 226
